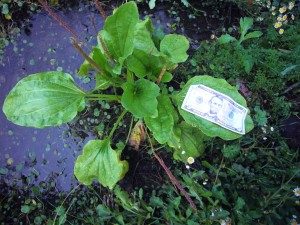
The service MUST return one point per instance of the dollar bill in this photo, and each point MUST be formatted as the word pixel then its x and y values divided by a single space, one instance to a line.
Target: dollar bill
pixel 215 107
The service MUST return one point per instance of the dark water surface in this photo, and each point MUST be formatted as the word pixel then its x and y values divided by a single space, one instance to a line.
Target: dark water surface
pixel 37 155
pixel 46 46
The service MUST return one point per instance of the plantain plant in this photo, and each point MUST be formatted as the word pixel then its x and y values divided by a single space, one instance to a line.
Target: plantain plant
pixel 130 59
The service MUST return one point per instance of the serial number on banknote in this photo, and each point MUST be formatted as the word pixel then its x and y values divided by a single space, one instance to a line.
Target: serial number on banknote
pixel 215 107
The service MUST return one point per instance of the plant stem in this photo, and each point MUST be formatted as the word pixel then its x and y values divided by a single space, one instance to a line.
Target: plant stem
pixel 58 19
pixel 86 56
pixel 276 192
pixel 73 190
pixel 117 124
pixel 129 132
pixel 173 179
pixel 115 81
pixel 103 97
pixel 218 171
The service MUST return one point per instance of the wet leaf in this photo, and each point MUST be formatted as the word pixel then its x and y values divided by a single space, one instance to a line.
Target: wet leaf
pixel 175 47
pixel 137 135
pixel 100 162
pixel 207 127
pixel 162 125
pixel 44 99
pixel 118 33
pixel 146 59
pixel 139 98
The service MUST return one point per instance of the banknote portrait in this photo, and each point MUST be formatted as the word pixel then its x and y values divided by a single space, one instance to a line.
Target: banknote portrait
pixel 215 106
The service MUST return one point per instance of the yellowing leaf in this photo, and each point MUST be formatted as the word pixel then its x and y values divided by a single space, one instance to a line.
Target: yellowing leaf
pixel 137 135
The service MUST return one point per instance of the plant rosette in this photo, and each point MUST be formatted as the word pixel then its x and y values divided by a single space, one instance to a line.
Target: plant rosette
pixel 128 59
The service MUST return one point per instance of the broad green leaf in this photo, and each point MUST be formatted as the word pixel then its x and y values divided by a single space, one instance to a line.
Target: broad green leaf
pixel 138 63
pixel 207 127
pixel 146 59
pixel 100 162
pixel 139 98
pixel 144 64
pixel 44 99
pixel 142 37
pixel 226 38
pixel 245 24
pixel 191 142
pixel 174 140
pixel 162 125
pixel 254 34
pixel 175 47
pixel 118 33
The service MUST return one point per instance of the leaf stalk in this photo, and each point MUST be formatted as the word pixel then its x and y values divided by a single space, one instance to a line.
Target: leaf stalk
pixel 116 124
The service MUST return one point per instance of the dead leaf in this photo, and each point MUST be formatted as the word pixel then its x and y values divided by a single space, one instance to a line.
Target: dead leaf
pixel 137 135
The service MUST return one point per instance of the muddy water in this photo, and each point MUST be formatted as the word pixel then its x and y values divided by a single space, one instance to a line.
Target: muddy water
pixel 36 155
